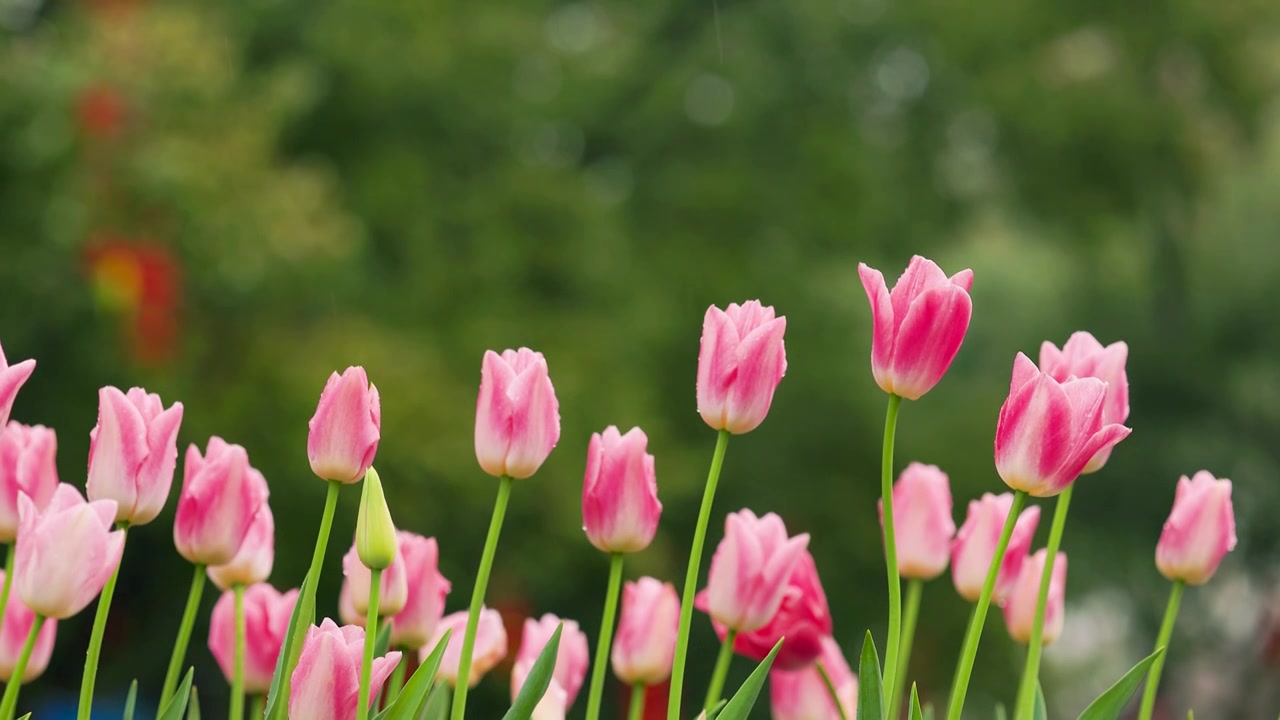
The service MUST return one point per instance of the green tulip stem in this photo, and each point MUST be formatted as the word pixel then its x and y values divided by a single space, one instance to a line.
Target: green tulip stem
pixel 890 544
pixel 8 580
pixel 179 654
pixel 1031 671
pixel 606 636
pixel 636 710
pixel 370 639
pixel 10 701
pixel 915 588
pixel 831 690
pixel 95 637
pixel 714 690
pixel 237 675
pixel 1162 641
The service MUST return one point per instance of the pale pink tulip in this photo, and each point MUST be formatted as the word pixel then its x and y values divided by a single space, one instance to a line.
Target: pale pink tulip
pixel 918 327
pixel 803 695
pixel 489 650
pixel 1020 608
pixel 1083 356
pixel 221 495
pixel 12 378
pixel 342 436
pixel 1200 530
pixel 346 608
pixel 517 414
pixel 571 659
pixel 554 702
pixel 749 570
pixel 325 685
pixel 393 586
pixel 253 561
pixel 266 619
pixel 740 363
pixel 133 451
pixel 620 507
pixel 413 626
pixel 27 465
pixel 18 619
pixel 65 553
pixel 645 645
pixel 922 521
pixel 975 546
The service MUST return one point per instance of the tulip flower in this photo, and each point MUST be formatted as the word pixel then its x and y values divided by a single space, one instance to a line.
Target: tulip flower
pixel 1049 431
pixel 620 507
pixel 923 523
pixel 221 496
pixel 918 326
pixel 18 619
pixel 740 363
pixel 490 645
pixel 133 451
pixel 571 659
pixel 27 465
pixel 1083 356
pixel 749 571
pixel 326 681
pixel 1020 608
pixel 517 414
pixel 975 546
pixel 393 588
pixel 347 612
pixel 253 561
pixel 803 695
pixel 646 642
pixel 12 378
pixel 1200 530
pixel 414 625
pixel 66 552
pixel 342 436
pixel 266 619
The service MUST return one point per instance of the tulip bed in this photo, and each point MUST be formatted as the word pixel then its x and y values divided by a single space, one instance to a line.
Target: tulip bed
pixel 763 594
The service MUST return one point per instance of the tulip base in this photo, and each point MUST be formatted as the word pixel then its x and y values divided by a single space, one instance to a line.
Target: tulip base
pixel 10 701
pixel 716 688
pixel 237 676
pixel 606 636
pixel 636 709
pixel 184 637
pixel 1162 641
pixel 831 690
pixel 95 638
pixel 1031 671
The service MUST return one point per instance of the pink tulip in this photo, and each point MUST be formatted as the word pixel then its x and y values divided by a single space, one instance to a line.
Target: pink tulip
pixel 343 435
pixel 554 702
pixel 132 453
pixel 66 552
pixel 27 465
pixel 1020 608
pixel 1049 431
pixel 571 659
pixel 975 546
pixel 489 650
pixel 266 619
pixel 221 495
pixel 741 361
pixel 326 682
pixel 346 608
pixel 517 414
pixel 252 562
pixel 393 586
pixel 918 326
pixel 12 378
pixel 645 645
pixel 18 619
pixel 620 507
pixel 413 626
pixel 802 694
pixel 747 580
pixel 922 521
pixel 1200 530
pixel 1083 356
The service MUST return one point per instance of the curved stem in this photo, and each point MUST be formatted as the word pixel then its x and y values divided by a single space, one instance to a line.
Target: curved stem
pixel 1031 671
pixel 477 596
pixel 8 581
pixel 831 690
pixel 237 675
pixel 964 668
pixel 184 637
pixel 10 701
pixel 606 636
pixel 721 671
pixel 95 638
pixel 392 689
pixel 636 711
pixel 1162 641
pixel 370 639
pixel 691 576
pixel 914 590
pixel 890 544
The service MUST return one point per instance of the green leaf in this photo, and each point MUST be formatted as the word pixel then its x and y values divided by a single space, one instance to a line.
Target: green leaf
pixel 193 710
pixel 1001 713
pixel 25 717
pixel 739 706
pixel 437 705
pixel 409 704
pixel 177 707
pixel 1111 703
pixel 130 701
pixel 1041 711
pixel 870 685
pixel 714 711
pixel 537 681
pixel 928 711
pixel 382 643
pixel 303 611
pixel 916 712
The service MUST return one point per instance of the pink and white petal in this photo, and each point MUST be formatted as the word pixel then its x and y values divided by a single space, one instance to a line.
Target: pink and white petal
pixel 963 279
pixel 883 324
pixel 493 414
pixel 118 450
pixel 535 421
pixel 12 378
pixel 1033 434
pixel 928 339
pixel 155 477
pixel 717 365
pixel 761 363
pixel 922 274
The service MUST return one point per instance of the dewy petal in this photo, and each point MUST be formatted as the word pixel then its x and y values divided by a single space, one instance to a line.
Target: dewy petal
pixel 493 414
pixel 535 422
pixel 117 451
pixel 929 338
pixel 717 365
pixel 882 322
pixel 761 363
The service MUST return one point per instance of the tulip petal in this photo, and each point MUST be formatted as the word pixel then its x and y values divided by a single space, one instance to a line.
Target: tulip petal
pixel 12 378
pixel 761 361
pixel 117 450
pixel 929 339
pixel 717 366
pixel 1033 434
pixel 493 414
pixel 883 325
pixel 155 476
pixel 921 275
pixel 535 421
pixel 963 279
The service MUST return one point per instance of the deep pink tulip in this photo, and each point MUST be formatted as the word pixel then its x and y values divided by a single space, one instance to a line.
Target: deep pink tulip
pixel 922 521
pixel 66 552
pixel 1083 356
pixel 252 562
pixel 326 683
pixel 918 326
pixel 221 495
pixel 393 587
pixel 28 465
pixel 517 414
pixel 975 546
pixel 571 659
pixel 747 580
pixel 12 378
pixel 645 646
pixel 802 694
pixel 18 619
pixel 413 626
pixel 1049 431
pixel 266 619
pixel 740 363
pixel 620 507
pixel 1200 530
pixel 342 436
pixel 1020 607
pixel 490 647
pixel 133 451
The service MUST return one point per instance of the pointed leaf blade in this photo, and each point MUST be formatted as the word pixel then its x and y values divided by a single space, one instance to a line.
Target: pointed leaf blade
pixel 414 696
pixel 1111 703
pixel 304 613
pixel 177 707
pixel 130 701
pixel 739 706
pixel 537 681
pixel 870 685
pixel 1001 713
pixel 193 710
pixel 916 712
pixel 437 704
pixel 1041 710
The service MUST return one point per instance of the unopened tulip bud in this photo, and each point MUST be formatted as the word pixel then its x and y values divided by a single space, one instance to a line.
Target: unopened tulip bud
pixel 393 586
pixel 12 378
pixel 975 546
pixel 413 626
pixel 517 414
pixel 133 451
pixel 343 435
pixel 65 553
pixel 326 683
pixel 375 532
pixel 620 507
pixel 27 465
pixel 1200 530
pixel 741 360
pixel 221 496
pixel 922 521
pixel 1020 607
pixel 18 619
pixel 490 646
pixel 266 619
pixel 749 571
pixel 803 695
pixel 1083 356
pixel 253 561
pixel 645 647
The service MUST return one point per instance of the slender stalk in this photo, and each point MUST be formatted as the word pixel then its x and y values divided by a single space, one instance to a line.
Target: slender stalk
pixel 477 596
pixel 890 544
pixel 10 701
pixel 691 576
pixel 914 590
pixel 95 638
pixel 1031 671
pixel 606 636
pixel 237 675
pixel 8 581
pixel 396 681
pixel 722 669
pixel 370 638
pixel 1162 641
pixel 259 707
pixel 184 637
pixel 964 668
pixel 636 711
pixel 831 690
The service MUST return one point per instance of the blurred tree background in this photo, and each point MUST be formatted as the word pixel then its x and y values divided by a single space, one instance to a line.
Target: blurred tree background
pixel 224 202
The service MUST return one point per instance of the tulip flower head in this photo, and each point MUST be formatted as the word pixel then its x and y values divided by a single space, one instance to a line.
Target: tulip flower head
pixel 740 363
pixel 27 465
pixel 803 695
pixel 749 571
pixel 975 546
pixel 645 646
pixel 326 682
pixel 221 496
pixel 266 620
pixel 342 437
pixel 18 619
pixel 571 657
pixel 393 586
pixel 1200 530
pixel 65 553
pixel 517 414
pixel 1083 356
pixel 620 507
pixel 12 378
pixel 1020 607
pixel 133 451
pixel 413 626
pixel 253 561
pixel 489 650
pixel 922 521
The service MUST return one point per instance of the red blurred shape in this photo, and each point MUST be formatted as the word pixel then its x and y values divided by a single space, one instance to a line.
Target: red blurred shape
pixel 140 282
pixel 100 112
